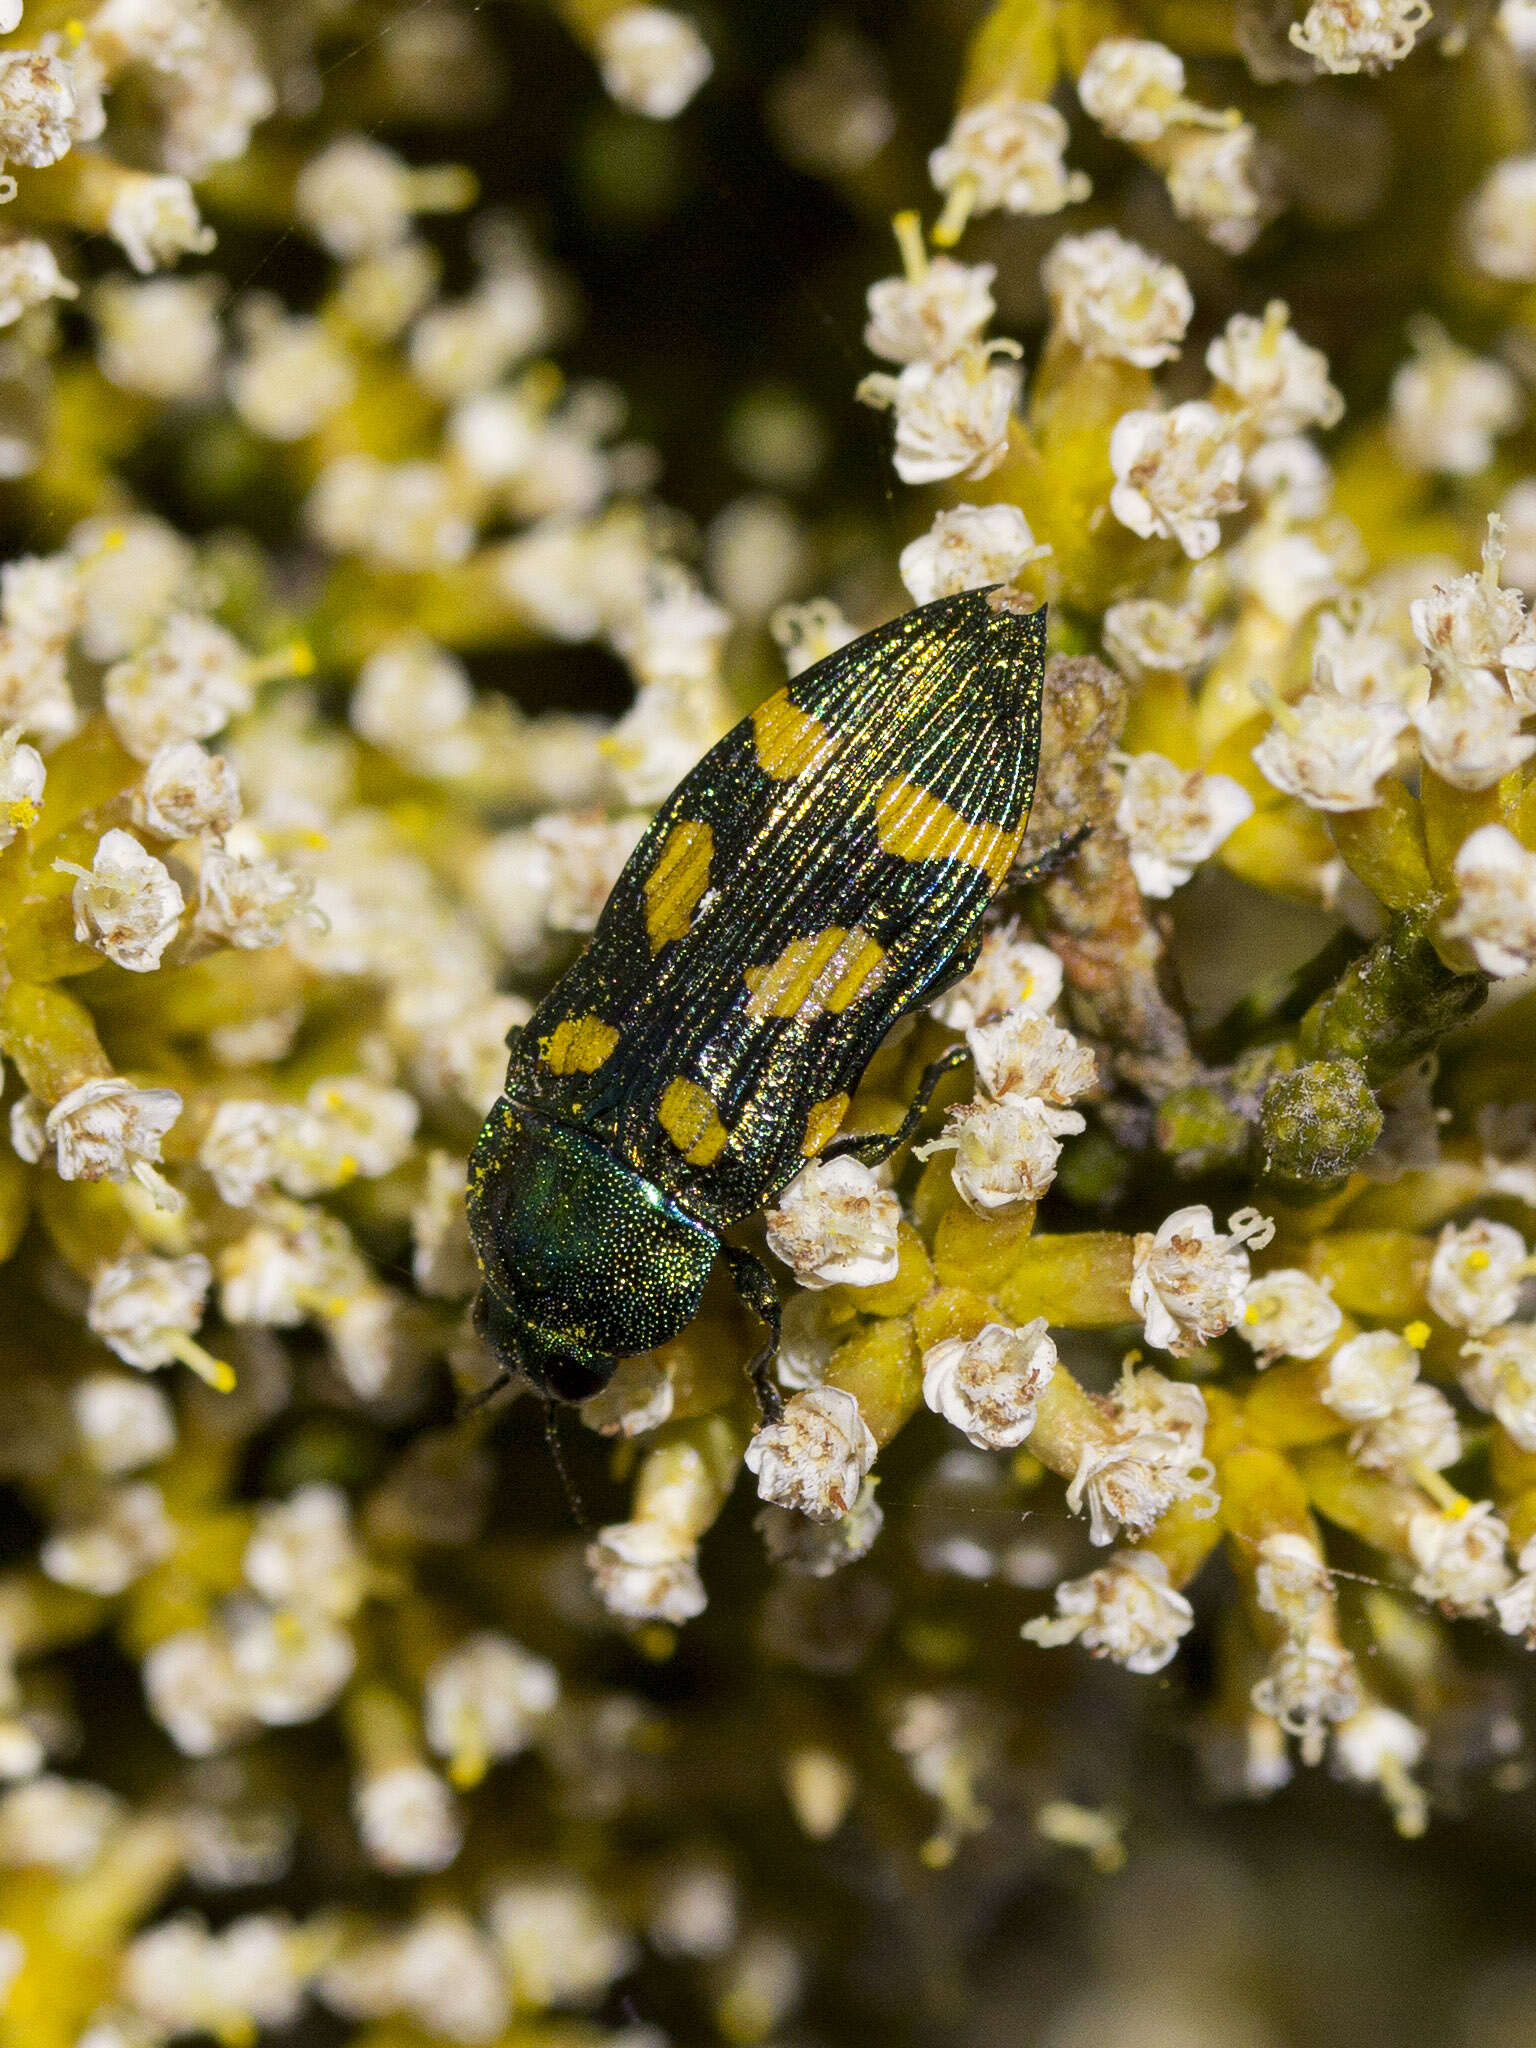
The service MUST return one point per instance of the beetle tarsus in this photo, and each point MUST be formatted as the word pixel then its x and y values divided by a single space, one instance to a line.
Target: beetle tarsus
pixel 870 1148
pixel 755 1284
pixel 1052 861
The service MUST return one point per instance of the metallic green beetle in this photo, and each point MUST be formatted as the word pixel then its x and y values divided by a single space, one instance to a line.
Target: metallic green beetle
pixel 821 872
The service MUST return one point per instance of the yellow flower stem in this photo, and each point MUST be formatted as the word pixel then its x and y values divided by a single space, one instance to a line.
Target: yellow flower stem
pixel 1012 53
pixel 51 1039
pixel 1384 847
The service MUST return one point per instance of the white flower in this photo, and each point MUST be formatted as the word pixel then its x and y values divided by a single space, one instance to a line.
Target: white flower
pixel 1310 1684
pixel 1010 974
pixel 37 108
pixel 1420 1432
pixel 247 899
pixel 123 1423
pixel 1291 1581
pixel 1495 901
pixel 302 1554
pixel 292 376
pixel 988 1385
pixel 145 1307
pixel 187 792
pixel 355 197
pixel 817 1550
pixel 130 1533
pixel 107 1130
pixel 441 1972
pixel 1474 622
pixel 1280 383
pixel 812 1330
pixel 1447 405
pixel 1460 1557
pixel 1475 1275
pixel 1287 1314
pixel 1005 1152
pixel 815 1457
pixel 183 1980
pixel 652 60
pixel 407 1819
pixel 22 780
pixel 350 1127
pixel 466 345
pixel 35 696
pixel 560 1945
pixel 1213 180
pixel 1366 1378
pixel 1330 752
pixel 155 219
pixel 1126 1611
pixel 186 684
pixel 1500 221
pixel 676 635
pixel 1135 89
pixel 932 315
pixel 292 1666
pixel 1469 730
pixel 637 1398
pixel 1289 477
pixel 1176 474
pixel 1144 637
pixel 1362 663
pixel 1023 1055
pixel 808 633
pixel 40 597
pixel 161 338
pixel 951 418
pixel 1517 518
pixel 244 1147
pixel 966 548
pixel 126 903
pixel 195 1692
pixel 130 574
pixel 585 856
pixel 1516 1605
pixel 56 1824
pixel 1345 36
pixel 1153 1460
pixel 1288 573
pixel 483 1700
pixel 1111 298
pixel 647 1571
pixel 836 1226
pixel 1008 152
pixel 1501 1379
pixel 30 276
pixel 1189 1279
pixel 1173 821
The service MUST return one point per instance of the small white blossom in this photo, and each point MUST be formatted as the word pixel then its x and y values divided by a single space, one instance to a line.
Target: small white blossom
pixel 1005 1152
pixel 951 418
pixel 1177 474
pixel 302 1554
pixel 560 1945
pixel 40 597
pixel 35 694
pixel 1174 821
pixel 349 1128
pixel 244 1148
pixel 1154 1459
pixel 987 1386
pixel 107 1130
pixel 637 1398
pixel 469 344
pixel 1475 1275
pixel 292 376
pixel 1448 405
pixel 1366 1378
pixel 195 1692
pixel 1291 1581
pixel 188 792
pixel 483 1700
pixel 124 1423
pixel 154 220
pixel 407 1819
pixel 56 1824
pixel 1289 477
pixel 130 575
pixel 30 276
pixel 185 1981
pixel 292 1666
pixel 1475 622
pixel 1501 1380
pixel 1287 1314
pixel 1516 1605
pixel 145 1307
pixel 816 1456
pixel 646 1571
pixel 1288 573
pixel 1279 382
pixel 441 1972
pixel 836 1226
pixel 1189 1279
pixel 37 108
pixel 1495 901
pixel 1023 1055
pixel 1362 663
pixel 1500 221
pixel 1010 974
pixel 1008 153
pixel 1421 1432
pixel 966 548
pixel 1110 298
pixel 1144 637
pixel 1469 730
pixel 1126 1611
pixel 811 1331
pixel 186 684
pixel 248 899
pixel 1214 180
pixel 1346 36
pixel 1460 1557
pixel 126 904
pixel 585 856
pixel 652 60
pixel 131 1533
pixel 22 780
pixel 676 636
pixel 818 1550
pixel 1330 752
pixel 355 197
pixel 808 633
pixel 1309 1686
pixel 1135 89
pixel 161 338
pixel 928 317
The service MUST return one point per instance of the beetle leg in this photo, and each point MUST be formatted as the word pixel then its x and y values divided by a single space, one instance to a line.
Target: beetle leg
pixel 870 1147
pixel 756 1286
pixel 487 1394
pixel 1052 861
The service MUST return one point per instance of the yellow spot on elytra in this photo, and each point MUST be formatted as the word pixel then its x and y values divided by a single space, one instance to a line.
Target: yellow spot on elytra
pixel 678 880
pixel 1417 1335
pixel 687 1114
pixel 788 739
pixel 915 825
pixel 578 1045
pixel 823 972
pixel 821 1125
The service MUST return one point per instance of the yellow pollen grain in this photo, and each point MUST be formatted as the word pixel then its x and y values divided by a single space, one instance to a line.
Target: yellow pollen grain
pixel 822 1123
pixel 578 1045
pixel 686 1112
pixel 914 825
pixel 677 882
pixel 788 740
pixel 1250 1314
pixel 1478 1260
pixel 1417 1334
pixel 825 971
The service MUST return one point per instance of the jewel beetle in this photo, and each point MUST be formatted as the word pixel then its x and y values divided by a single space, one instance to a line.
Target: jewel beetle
pixel 821 872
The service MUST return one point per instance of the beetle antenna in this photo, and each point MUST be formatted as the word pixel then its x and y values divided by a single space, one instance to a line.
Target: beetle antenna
pixel 488 1394
pixel 572 1498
